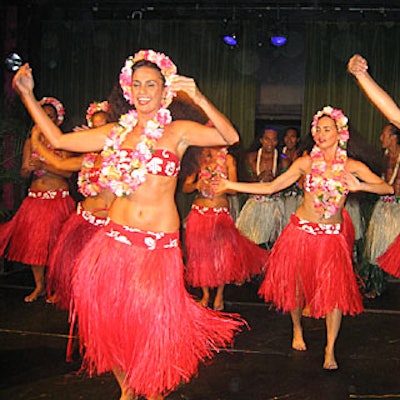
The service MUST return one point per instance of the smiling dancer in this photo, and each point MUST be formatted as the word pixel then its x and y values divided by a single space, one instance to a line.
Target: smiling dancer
pixel 136 318
pixel 311 264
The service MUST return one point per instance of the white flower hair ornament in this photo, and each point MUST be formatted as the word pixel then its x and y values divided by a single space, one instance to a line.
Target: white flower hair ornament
pixel 94 108
pixel 163 62
pixel 60 110
pixel 341 122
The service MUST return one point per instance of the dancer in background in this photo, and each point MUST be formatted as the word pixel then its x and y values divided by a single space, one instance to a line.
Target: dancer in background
pixel 216 252
pixel 261 217
pixel 311 264
pixel 31 235
pixel 91 213
pixel 136 318
pixel 293 195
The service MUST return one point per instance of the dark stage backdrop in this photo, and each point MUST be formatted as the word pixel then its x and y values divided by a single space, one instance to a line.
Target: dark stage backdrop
pixel 81 61
pixel 328 48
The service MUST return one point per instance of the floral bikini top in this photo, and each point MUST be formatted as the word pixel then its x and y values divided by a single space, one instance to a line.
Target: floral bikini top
pixel 89 183
pixel 123 169
pixel 327 192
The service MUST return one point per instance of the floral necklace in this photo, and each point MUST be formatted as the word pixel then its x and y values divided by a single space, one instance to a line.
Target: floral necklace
pixel 274 162
pixel 210 172
pixel 328 192
pixel 124 170
pixel 88 179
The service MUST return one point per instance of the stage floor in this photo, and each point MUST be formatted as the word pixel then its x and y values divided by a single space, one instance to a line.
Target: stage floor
pixel 260 366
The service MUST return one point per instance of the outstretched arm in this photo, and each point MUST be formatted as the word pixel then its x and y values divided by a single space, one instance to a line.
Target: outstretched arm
pixel 283 181
pixel 84 141
pixel 358 67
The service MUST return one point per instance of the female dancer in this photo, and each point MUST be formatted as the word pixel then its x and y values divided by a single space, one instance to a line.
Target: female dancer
pixel 135 316
pixel 91 213
pixel 320 233
pixel 216 252
pixel 30 236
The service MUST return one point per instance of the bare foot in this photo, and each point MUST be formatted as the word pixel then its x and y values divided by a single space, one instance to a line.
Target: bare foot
pixel 330 361
pixel 298 342
pixel 203 302
pixel 219 306
pixel 52 299
pixel 38 292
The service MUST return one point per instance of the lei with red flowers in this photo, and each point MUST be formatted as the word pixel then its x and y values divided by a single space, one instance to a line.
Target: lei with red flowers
pixel 328 193
pixel 88 181
pixel 210 172
pixel 94 108
pixel 124 170
pixel 60 110
pixel 167 67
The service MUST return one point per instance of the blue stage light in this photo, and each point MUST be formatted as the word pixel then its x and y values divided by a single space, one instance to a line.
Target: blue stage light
pixel 278 40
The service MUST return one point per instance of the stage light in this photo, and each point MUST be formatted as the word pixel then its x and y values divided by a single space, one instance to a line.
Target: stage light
pixel 231 32
pixel 278 40
pixel 13 62
pixel 230 39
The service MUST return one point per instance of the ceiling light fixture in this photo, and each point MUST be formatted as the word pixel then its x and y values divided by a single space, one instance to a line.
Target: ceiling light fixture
pixel 231 32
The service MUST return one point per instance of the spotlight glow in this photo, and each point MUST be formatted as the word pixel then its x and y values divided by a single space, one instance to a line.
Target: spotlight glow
pixel 230 40
pixel 278 40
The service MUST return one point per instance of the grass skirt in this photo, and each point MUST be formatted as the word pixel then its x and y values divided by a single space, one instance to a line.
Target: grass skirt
pixel 31 234
pixel 352 206
pixel 291 201
pixel 135 314
pixel 261 218
pixel 313 269
pixel 216 252
pixel 76 232
pixel 389 261
pixel 383 228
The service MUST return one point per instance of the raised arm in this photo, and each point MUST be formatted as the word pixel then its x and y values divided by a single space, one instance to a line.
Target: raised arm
pixel 84 141
pixel 222 132
pixel 358 67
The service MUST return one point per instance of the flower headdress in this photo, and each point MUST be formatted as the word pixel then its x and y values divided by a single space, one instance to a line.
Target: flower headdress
pixel 341 122
pixel 167 67
pixel 60 110
pixel 94 108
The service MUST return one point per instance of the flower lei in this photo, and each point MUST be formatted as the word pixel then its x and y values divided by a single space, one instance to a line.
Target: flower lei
pixel 209 172
pixel 94 108
pixel 328 193
pixel 123 171
pixel 57 105
pixel 167 67
pixel 88 187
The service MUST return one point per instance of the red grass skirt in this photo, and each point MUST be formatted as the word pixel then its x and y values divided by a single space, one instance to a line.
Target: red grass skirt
pixel 135 314
pixel 32 233
pixel 389 261
pixel 216 252
pixel 77 231
pixel 314 269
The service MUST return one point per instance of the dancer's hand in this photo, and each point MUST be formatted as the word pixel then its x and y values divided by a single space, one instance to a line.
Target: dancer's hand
pixel 23 82
pixel 357 65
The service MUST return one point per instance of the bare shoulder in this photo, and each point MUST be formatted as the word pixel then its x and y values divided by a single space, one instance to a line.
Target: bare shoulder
pixel 353 166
